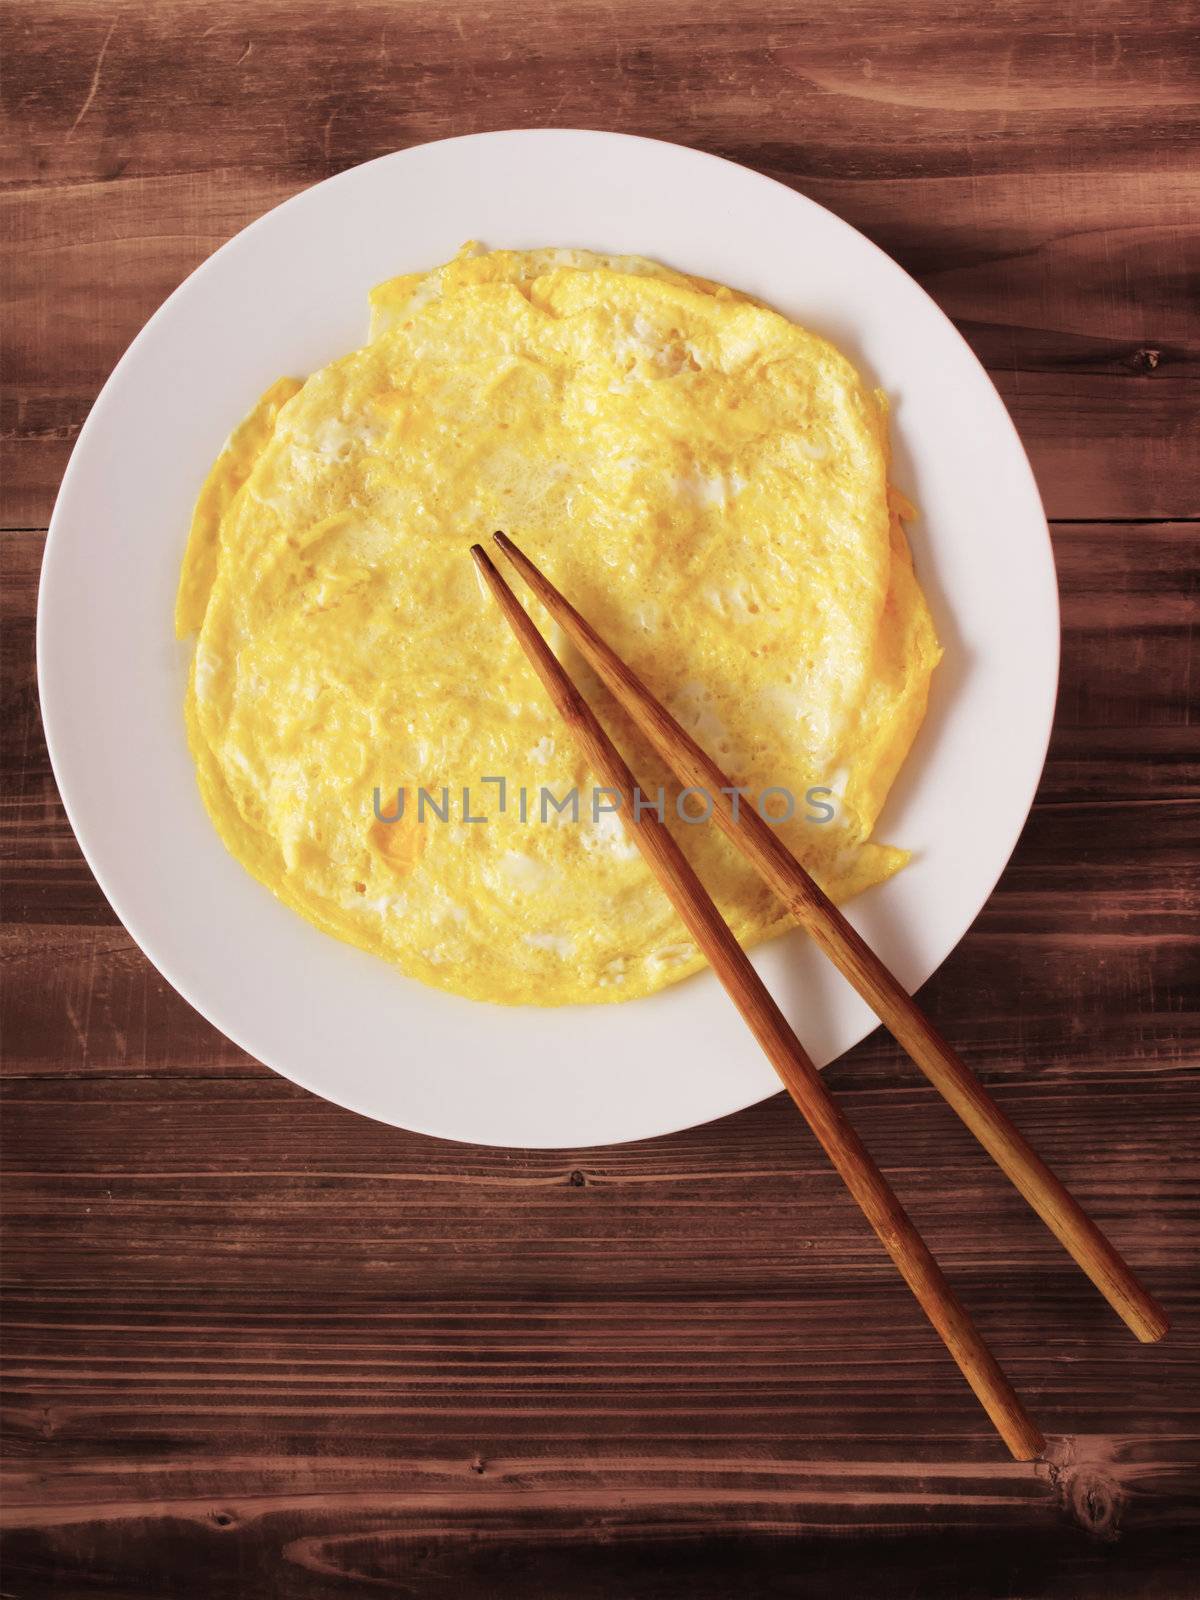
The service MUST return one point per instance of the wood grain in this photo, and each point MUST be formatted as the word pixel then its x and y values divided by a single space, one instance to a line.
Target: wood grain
pixel 258 1347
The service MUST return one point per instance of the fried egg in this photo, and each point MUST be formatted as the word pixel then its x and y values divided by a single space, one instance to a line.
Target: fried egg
pixel 706 481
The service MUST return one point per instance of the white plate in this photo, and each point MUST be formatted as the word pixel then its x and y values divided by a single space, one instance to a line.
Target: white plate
pixel 288 295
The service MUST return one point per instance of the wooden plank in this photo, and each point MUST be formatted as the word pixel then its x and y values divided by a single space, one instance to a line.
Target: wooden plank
pixel 90 85
pixel 240 1443
pixel 254 1167
pixel 625 1361
pixel 1036 180
pixel 593 1554
pixel 237 1310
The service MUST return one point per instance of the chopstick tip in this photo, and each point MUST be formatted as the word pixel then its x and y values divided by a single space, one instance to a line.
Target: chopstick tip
pixel 1155 1324
pixel 484 563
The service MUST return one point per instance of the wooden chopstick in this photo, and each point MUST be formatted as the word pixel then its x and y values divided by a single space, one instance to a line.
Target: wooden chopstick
pixel 769 1026
pixel 859 964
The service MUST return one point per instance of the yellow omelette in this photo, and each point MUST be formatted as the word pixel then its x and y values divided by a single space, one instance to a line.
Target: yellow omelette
pixel 705 480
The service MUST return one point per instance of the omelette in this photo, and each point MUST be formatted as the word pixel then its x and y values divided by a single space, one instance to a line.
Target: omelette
pixel 705 480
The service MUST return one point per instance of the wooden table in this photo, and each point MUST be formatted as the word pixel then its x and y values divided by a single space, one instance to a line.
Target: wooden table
pixel 257 1346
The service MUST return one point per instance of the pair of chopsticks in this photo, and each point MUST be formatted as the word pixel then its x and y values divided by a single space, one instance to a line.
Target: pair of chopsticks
pixel 859 964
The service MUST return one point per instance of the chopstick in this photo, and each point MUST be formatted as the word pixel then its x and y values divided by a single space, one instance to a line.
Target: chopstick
pixel 859 964
pixel 769 1026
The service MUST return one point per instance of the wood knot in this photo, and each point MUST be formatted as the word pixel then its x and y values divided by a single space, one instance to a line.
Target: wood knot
pixel 577 1179
pixel 222 1519
pixel 1145 359
pixel 478 1466
pixel 1095 1502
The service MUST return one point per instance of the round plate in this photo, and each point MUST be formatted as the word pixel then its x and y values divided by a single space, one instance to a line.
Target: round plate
pixel 288 295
